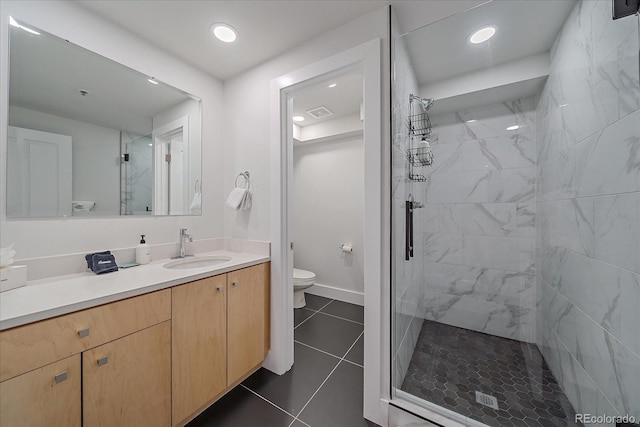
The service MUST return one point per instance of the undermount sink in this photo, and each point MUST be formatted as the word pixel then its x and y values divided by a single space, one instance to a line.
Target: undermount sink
pixel 197 262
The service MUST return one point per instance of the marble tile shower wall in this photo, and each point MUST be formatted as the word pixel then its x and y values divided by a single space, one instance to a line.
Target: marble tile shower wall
pixel 136 181
pixel 408 277
pixel 588 204
pixel 479 236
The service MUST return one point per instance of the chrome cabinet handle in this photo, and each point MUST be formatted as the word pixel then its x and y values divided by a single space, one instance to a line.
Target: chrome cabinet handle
pixel 62 376
pixel 220 288
pixel 235 284
pixel 83 333
pixel 103 361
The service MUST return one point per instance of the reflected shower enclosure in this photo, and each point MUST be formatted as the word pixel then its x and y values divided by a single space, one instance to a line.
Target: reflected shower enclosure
pixel 516 215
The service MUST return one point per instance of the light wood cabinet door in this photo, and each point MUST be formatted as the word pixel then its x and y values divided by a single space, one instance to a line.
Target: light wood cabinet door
pixel 247 322
pixel 199 344
pixel 127 382
pixel 47 396
pixel 32 346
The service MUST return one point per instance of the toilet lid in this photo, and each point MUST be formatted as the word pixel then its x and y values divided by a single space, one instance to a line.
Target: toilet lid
pixel 299 274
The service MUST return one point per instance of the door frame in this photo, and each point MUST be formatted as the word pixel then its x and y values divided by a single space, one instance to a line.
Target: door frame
pixel 280 358
pixel 161 194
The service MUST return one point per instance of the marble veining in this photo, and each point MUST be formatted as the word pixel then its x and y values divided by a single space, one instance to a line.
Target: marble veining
pixel 480 218
pixel 588 212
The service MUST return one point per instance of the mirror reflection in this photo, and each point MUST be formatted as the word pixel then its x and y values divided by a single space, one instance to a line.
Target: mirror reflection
pixel 90 137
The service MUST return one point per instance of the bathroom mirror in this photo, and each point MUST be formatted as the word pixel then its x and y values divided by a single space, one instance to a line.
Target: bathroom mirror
pixel 88 136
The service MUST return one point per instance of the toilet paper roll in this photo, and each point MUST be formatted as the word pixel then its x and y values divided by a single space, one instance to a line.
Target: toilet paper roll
pixel 347 248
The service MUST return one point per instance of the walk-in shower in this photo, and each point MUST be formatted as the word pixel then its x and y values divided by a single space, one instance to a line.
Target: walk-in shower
pixel 516 216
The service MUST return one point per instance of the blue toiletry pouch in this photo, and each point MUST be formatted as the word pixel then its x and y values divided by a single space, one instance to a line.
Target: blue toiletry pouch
pixel 103 263
pixel 89 258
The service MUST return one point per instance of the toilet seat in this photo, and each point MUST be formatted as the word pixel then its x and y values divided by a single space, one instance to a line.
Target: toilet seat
pixel 303 277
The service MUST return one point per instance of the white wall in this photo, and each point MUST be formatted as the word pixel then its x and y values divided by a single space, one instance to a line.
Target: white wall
pixel 247 116
pixel 328 210
pixel 35 238
pixel 96 156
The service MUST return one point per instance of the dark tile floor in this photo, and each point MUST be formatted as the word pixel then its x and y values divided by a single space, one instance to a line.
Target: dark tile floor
pixel 324 387
pixel 450 364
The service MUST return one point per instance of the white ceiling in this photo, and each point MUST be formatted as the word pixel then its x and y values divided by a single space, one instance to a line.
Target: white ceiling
pixel 524 27
pixel 342 100
pixel 265 28
pixel 47 74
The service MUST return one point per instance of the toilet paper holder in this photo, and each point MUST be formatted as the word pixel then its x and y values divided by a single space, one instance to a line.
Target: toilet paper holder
pixel 346 247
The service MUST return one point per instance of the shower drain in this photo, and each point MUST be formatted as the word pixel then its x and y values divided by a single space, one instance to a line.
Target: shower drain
pixel 486 400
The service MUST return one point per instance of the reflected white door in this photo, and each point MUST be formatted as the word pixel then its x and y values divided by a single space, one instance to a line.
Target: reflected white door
pixel 39 178
pixel 171 168
pixel 177 179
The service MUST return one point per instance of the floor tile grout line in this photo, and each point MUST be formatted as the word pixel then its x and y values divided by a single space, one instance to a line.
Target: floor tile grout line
pixel 318 389
pixel 342 318
pixel 314 313
pixel 325 306
pixel 269 402
pixel 299 420
pixel 352 345
pixel 317 349
pixel 330 373
pixel 353 363
pixel 342 359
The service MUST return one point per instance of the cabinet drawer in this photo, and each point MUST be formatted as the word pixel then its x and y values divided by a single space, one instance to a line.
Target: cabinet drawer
pixel 37 344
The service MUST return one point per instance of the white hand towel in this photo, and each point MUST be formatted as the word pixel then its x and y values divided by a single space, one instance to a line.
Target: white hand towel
pixel 234 201
pixel 196 204
pixel 246 201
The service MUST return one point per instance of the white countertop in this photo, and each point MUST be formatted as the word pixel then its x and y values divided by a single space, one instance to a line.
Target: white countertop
pixel 46 298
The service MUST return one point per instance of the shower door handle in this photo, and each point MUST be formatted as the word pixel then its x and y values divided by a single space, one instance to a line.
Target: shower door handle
pixel 408 229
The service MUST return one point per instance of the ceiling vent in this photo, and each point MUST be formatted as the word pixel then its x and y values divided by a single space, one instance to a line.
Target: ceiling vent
pixel 319 112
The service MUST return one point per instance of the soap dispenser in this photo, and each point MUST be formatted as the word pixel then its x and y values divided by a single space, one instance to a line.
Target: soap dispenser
pixel 143 252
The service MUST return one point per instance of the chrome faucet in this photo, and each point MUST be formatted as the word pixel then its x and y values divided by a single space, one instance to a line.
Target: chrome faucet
pixel 183 247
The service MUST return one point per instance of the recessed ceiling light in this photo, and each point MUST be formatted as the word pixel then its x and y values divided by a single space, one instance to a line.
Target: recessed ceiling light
pixel 471 121
pixel 298 118
pixel 14 23
pixel 514 127
pixel 152 80
pixel 224 32
pixel 333 85
pixel 482 35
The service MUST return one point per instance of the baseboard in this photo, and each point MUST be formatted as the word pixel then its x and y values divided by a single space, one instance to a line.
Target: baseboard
pixel 339 294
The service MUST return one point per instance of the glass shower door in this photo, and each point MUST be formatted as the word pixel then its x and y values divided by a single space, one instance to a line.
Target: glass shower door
pixel 515 254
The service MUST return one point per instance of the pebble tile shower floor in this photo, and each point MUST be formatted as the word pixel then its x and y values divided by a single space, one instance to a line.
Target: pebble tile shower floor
pixel 450 364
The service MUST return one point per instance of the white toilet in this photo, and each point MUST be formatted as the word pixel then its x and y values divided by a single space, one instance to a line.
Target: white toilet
pixel 302 279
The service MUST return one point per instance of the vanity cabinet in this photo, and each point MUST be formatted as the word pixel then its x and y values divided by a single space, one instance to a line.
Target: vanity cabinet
pixel 248 320
pixel 220 335
pixel 199 344
pixel 47 396
pixel 127 382
pixel 157 359
pixel 44 382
